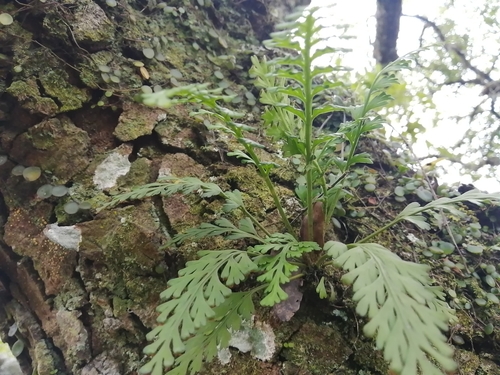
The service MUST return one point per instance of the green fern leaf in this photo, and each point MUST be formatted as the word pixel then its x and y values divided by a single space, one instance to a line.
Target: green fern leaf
pixel 234 200
pixel 277 267
pixel 245 159
pixel 167 186
pixel 216 334
pixel 194 93
pixel 190 302
pixel 413 212
pixel 221 227
pixel 397 298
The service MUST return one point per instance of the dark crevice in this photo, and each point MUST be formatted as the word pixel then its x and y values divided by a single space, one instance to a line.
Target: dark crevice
pixel 162 216
pixel 58 358
pixel 44 93
pixel 4 215
pixel 86 320
pixel 138 323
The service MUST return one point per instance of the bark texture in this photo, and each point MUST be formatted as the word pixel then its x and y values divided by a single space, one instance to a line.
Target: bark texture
pixel 388 17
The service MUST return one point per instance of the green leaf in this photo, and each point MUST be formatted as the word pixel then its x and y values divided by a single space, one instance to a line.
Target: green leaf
pixel 194 93
pixel 242 127
pixel 334 248
pixel 246 225
pixel 234 200
pixel 245 159
pixel 250 142
pixel 296 93
pixel 418 220
pixel 167 186
pixel 190 300
pixel 277 269
pixel 326 86
pixel 294 146
pixel 221 227
pixel 212 337
pixel 323 109
pixel 384 82
pixel 381 100
pixel 474 196
pixel 362 158
pixel 322 52
pixel 286 74
pixel 399 302
pixel 297 112
pixel 320 288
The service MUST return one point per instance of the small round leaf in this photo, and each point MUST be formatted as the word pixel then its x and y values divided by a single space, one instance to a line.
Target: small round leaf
pixel 6 19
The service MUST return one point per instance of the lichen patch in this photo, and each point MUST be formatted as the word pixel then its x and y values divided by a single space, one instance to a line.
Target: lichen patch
pixel 68 237
pixel 107 173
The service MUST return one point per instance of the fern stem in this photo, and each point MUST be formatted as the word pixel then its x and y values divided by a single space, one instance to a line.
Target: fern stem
pixel 378 231
pixel 255 221
pixel 272 190
pixel 322 179
pixel 308 105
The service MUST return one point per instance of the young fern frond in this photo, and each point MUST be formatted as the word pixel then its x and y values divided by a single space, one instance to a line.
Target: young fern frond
pixel 277 269
pixel 399 302
pixel 190 300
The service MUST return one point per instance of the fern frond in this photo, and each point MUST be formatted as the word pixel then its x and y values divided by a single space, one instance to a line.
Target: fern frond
pixel 215 335
pixel 413 212
pixel 397 298
pixel 167 186
pixel 190 302
pixel 234 200
pixel 277 267
pixel 223 226
pixel 194 93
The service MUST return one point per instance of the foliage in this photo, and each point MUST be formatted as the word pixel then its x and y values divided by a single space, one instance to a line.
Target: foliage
pixel 455 86
pixel 200 309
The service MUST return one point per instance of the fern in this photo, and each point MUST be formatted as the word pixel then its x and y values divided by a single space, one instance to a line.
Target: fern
pixel 167 186
pixel 224 227
pixel 397 298
pixel 190 302
pixel 277 269
pixel 216 334
pixel 406 315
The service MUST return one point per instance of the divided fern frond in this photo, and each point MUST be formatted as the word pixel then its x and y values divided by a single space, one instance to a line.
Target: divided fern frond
pixel 167 186
pixel 224 227
pixel 215 335
pixel 190 302
pixel 276 266
pixel 413 211
pixel 193 93
pixel 397 298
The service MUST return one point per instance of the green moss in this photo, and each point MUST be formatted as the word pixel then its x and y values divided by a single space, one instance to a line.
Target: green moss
pixel 317 349
pixel 139 174
pixel 44 361
pixel 248 181
pixel 55 83
pixel 28 94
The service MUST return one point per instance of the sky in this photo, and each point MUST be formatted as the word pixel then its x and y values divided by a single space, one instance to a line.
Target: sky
pixel 360 14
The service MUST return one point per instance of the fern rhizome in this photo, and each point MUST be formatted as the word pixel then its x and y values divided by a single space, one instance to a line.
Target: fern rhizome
pixel 200 310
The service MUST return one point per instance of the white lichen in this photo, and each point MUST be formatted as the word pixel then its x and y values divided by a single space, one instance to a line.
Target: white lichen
pixel 68 237
pixel 257 338
pixel 107 173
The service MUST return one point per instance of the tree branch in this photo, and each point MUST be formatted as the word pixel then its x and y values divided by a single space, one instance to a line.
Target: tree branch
pixel 485 78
